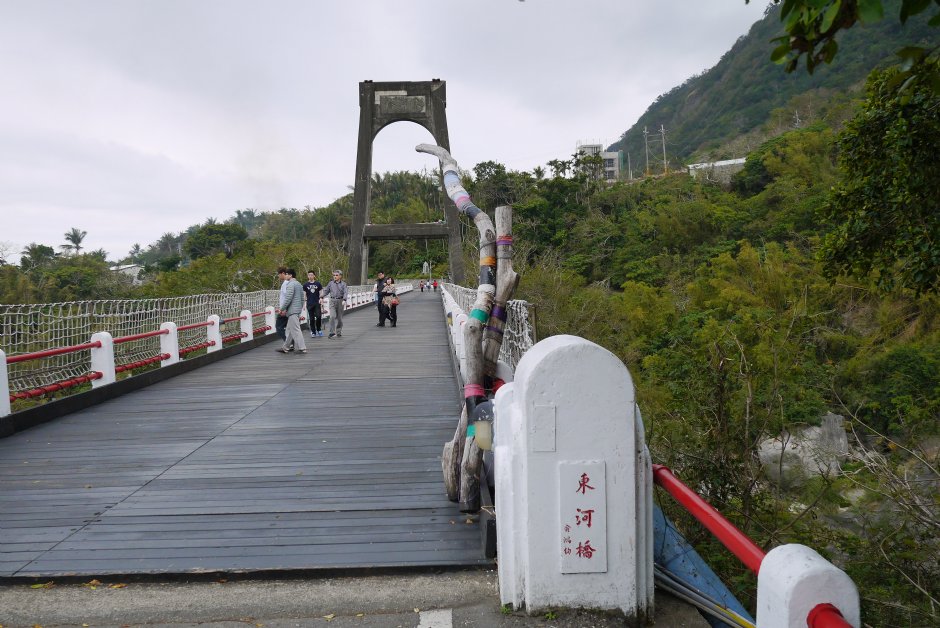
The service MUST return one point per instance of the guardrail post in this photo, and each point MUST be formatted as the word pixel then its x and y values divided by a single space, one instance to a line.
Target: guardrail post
pixel 5 408
pixel 246 325
pixel 269 320
pixel 170 344
pixel 793 580
pixel 214 333
pixel 102 359
pixel 573 520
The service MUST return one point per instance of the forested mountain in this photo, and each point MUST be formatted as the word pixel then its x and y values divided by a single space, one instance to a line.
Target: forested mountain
pixel 738 95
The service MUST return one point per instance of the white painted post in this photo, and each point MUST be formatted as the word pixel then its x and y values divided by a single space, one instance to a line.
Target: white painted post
pixel 573 521
pixel 214 333
pixel 4 385
pixel 269 320
pixel 793 580
pixel 246 325
pixel 459 321
pixel 102 359
pixel 170 344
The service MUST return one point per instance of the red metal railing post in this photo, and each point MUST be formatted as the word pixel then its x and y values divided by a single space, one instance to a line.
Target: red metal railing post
pixel 5 408
pixel 102 359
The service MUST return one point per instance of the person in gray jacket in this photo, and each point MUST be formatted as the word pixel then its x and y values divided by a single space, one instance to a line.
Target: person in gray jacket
pixel 291 305
pixel 335 294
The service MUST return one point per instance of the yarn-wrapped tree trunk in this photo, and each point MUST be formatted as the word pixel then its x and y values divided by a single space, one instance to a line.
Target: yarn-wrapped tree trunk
pixel 461 459
pixel 506 282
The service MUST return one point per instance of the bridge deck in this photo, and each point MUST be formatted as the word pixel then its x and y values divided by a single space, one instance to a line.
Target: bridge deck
pixel 261 461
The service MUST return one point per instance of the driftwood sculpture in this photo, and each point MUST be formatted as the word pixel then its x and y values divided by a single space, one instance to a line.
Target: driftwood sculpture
pixel 483 334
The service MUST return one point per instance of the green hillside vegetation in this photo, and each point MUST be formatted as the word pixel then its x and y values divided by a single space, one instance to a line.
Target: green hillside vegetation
pixel 738 95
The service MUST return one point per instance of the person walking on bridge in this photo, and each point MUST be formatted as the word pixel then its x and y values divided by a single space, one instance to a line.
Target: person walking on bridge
pixel 335 294
pixel 291 305
pixel 377 290
pixel 314 313
pixel 390 300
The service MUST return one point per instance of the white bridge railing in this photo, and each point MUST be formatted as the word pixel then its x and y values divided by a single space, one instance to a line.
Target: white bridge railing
pixel 50 347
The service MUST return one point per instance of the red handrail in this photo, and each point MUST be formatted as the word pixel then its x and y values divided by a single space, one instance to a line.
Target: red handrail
pixel 232 337
pixel 51 388
pixel 130 366
pixel 725 531
pixel 149 334
pixel 826 616
pixel 253 314
pixel 822 616
pixel 234 318
pixel 195 325
pixel 23 357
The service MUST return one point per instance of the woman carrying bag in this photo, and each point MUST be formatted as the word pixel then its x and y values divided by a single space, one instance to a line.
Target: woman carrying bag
pixel 390 300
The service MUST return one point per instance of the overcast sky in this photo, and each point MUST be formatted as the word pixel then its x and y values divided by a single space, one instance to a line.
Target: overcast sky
pixel 132 118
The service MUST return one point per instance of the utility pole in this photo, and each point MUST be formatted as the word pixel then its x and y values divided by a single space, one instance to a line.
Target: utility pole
pixel 662 132
pixel 629 168
pixel 646 144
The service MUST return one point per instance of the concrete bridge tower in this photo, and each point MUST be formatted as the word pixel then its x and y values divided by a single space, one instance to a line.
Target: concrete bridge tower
pixel 380 104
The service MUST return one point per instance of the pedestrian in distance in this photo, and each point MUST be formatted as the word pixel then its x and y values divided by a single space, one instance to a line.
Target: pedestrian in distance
pixel 312 289
pixel 435 285
pixel 291 305
pixel 421 285
pixel 390 298
pixel 377 291
pixel 335 294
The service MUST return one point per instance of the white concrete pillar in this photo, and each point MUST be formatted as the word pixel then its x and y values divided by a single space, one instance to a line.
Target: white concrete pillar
pixel 4 385
pixel 102 359
pixel 214 333
pixel 269 320
pixel 170 343
pixel 577 522
pixel 793 580
pixel 246 325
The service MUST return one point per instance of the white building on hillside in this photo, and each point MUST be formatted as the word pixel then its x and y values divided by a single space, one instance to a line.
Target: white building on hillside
pixel 611 160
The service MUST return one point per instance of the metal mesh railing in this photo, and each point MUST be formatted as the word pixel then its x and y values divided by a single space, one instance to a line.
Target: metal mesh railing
pixel 519 332
pixel 26 328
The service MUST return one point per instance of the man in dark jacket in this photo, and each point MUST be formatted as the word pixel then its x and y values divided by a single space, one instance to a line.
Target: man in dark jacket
pixel 314 312
pixel 379 286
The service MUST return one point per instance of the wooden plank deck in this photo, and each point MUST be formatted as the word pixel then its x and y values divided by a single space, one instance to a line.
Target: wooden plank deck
pixel 258 462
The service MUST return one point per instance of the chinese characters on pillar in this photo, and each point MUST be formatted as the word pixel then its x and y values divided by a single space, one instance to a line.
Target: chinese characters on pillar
pixel 583 526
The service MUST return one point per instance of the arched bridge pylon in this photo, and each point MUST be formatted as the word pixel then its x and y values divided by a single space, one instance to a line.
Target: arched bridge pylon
pixel 381 104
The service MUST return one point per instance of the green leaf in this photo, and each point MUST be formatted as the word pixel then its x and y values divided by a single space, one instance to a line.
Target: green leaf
pixel 829 50
pixel 787 7
pixel 935 20
pixel 830 16
pixel 912 7
pixel 870 10
pixel 779 54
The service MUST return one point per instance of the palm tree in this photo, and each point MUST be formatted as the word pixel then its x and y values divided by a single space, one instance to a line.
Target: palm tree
pixel 36 255
pixel 74 238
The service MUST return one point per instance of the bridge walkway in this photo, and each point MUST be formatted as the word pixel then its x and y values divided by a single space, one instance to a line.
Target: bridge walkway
pixel 258 462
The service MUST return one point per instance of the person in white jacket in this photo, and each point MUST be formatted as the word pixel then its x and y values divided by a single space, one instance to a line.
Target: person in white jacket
pixel 291 305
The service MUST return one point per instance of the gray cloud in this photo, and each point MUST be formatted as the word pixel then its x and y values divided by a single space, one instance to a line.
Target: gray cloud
pixel 130 119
